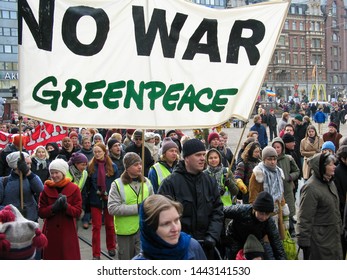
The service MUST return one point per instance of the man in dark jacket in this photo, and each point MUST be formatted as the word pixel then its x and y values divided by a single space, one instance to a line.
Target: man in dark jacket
pixel 254 219
pixel 202 216
pixel 272 123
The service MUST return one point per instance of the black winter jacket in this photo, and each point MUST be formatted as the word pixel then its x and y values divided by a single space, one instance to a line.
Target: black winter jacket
pixel 202 206
pixel 245 223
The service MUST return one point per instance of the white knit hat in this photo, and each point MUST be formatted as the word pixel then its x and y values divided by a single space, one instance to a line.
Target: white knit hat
pixel 13 158
pixel 60 165
pixel 19 237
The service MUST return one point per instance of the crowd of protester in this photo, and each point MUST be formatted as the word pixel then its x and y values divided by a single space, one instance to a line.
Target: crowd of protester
pixel 164 195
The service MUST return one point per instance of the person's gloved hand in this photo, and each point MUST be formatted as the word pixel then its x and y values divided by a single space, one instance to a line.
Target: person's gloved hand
pixel 221 191
pixel 306 252
pixel 22 165
pixel 60 204
pixel 209 242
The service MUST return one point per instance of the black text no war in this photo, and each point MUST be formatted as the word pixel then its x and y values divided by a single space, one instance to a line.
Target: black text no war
pixel 42 33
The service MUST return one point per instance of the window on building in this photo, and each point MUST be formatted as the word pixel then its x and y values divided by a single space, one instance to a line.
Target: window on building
pixel 334 51
pixel 335 37
pixel 300 11
pixel 296 76
pixel 2 66
pixel 283 58
pixel 311 26
pixel 294 25
pixel 333 8
pixel 7 49
pixel 286 25
pixel 302 42
pixel 282 40
pixel 295 42
pixel 295 59
pixel 316 43
pixel 336 65
pixel 316 59
pixel 334 23
pixel 303 59
pixel 8 66
pixel 14 32
pixel 15 66
pixel 301 26
pixel 292 9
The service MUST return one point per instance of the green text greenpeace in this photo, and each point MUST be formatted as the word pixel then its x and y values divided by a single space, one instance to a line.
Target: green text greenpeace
pixel 122 94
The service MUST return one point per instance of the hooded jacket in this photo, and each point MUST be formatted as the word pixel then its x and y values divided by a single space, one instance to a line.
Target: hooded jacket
pixel 291 173
pixel 319 223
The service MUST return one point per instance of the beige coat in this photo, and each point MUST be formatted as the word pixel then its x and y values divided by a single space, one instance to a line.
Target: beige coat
pixel 307 150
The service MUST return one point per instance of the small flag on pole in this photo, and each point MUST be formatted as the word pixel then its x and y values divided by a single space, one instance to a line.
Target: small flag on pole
pixel 314 71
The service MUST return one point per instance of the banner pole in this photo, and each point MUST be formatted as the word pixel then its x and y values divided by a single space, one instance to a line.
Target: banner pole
pixel 143 163
pixel 20 119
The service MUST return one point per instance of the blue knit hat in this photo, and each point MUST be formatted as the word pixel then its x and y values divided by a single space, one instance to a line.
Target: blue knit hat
pixel 328 145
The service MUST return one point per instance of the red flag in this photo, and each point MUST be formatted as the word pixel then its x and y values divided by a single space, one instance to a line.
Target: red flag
pixel 40 135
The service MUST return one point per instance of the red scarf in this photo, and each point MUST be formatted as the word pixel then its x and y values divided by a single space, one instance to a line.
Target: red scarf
pixel 101 176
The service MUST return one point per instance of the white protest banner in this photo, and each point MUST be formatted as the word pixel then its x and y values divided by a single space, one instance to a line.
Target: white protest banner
pixel 143 64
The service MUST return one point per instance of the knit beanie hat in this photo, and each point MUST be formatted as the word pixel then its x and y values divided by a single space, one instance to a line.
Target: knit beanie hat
pixel 252 245
pixel 264 202
pixel 328 145
pixel 13 158
pixel 77 158
pixel 111 142
pixel 268 152
pixel 333 125
pixel 19 237
pixel 168 144
pixel 59 165
pixel 130 131
pixel 137 133
pixel 192 146
pixel 212 136
pixel 169 132
pixel 73 134
pixel 16 140
pixel 298 117
pixel 130 158
pixel 288 138
pixel 149 135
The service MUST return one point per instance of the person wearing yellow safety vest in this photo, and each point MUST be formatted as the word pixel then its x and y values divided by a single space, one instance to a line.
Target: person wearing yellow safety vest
pixel 126 194
pixel 226 186
pixel 168 160
pixel 226 183
pixel 78 174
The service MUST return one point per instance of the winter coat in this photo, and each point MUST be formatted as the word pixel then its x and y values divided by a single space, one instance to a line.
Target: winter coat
pixel 319 224
pixel 245 223
pixel 262 135
pixel 10 194
pixel 291 173
pixel 202 207
pixel 60 228
pixel 91 188
pixel 333 137
pixel 39 170
pixel 307 150
pixel 299 134
pixel 340 179
pixel 319 117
